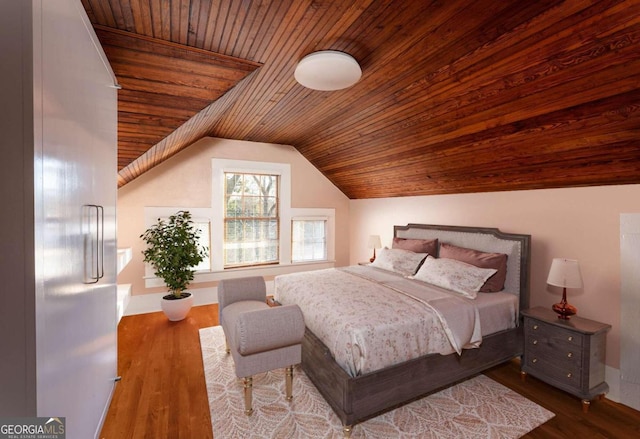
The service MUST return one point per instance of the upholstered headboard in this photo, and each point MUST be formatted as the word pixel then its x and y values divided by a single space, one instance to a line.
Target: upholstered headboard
pixel 517 247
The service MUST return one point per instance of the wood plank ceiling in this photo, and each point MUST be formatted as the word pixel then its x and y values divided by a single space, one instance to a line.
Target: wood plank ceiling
pixel 457 96
pixel 163 85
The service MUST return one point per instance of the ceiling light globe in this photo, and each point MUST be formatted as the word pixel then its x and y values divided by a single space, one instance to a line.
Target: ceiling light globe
pixel 328 70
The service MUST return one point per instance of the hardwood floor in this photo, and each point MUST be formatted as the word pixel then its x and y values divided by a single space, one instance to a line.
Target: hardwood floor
pixel 605 419
pixel 162 394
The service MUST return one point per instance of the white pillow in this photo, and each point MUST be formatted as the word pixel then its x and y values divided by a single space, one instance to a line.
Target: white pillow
pixel 397 260
pixel 454 275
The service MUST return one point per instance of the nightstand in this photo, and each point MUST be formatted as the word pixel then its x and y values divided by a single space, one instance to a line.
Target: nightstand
pixel 271 301
pixel 568 354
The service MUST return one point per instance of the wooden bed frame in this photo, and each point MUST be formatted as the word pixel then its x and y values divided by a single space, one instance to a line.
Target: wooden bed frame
pixel 355 399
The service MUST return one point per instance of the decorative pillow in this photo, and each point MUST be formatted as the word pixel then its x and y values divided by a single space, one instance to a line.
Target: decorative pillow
pixel 498 261
pixel 400 261
pixel 457 276
pixel 417 245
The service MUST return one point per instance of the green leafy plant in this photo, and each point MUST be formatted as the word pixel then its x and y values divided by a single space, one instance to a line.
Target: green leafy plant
pixel 173 251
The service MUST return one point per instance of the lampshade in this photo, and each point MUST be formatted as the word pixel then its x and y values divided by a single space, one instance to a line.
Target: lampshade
pixel 328 70
pixel 565 273
pixel 374 242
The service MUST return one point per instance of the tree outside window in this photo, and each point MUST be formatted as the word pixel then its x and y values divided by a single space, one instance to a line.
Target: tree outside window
pixel 251 219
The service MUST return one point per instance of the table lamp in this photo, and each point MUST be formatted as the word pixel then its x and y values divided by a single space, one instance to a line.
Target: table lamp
pixel 564 273
pixel 374 243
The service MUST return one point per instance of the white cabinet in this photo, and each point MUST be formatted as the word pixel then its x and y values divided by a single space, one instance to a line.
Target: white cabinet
pixel 59 190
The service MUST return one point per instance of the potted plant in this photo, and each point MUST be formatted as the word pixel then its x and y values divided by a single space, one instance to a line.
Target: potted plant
pixel 173 251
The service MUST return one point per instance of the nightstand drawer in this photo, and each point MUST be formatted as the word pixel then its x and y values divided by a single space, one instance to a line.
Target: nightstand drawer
pixel 544 333
pixel 566 356
pixel 565 374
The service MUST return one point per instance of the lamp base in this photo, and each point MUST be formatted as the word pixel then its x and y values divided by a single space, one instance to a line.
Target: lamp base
pixel 564 310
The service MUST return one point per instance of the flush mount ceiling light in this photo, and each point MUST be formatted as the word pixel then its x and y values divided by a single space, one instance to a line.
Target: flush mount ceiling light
pixel 327 70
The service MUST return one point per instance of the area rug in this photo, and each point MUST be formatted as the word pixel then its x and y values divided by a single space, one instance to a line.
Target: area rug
pixel 476 408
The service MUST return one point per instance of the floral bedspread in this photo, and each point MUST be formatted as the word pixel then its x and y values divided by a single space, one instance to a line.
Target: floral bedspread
pixel 371 318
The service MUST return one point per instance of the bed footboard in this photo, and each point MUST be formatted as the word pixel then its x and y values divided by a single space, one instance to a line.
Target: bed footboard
pixel 355 399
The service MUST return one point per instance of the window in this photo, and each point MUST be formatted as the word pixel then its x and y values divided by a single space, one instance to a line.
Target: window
pixel 251 219
pixel 204 240
pixel 309 239
pixel 251 222
pixel 257 235
pixel 210 222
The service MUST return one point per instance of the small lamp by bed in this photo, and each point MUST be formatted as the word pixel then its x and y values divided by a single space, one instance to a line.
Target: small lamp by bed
pixel 374 243
pixel 564 273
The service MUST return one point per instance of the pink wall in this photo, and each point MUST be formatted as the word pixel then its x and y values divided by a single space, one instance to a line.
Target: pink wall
pixel 578 223
pixel 185 181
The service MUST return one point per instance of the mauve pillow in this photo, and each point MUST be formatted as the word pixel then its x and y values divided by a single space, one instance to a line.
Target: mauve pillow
pixel 417 245
pixel 480 259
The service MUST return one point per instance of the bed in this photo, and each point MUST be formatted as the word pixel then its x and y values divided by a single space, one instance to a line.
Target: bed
pixel 357 387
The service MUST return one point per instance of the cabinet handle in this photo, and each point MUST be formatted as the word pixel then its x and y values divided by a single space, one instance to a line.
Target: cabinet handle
pixel 569 375
pixel 570 355
pixel 94 247
pixel 535 327
pixel 535 342
pixel 535 360
pixel 570 338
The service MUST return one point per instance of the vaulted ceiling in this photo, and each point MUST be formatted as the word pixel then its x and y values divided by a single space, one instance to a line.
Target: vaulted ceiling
pixel 456 96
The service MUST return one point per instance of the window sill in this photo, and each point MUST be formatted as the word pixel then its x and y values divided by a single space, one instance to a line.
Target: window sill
pixel 270 270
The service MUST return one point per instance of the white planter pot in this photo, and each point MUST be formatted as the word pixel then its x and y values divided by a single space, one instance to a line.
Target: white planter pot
pixel 177 309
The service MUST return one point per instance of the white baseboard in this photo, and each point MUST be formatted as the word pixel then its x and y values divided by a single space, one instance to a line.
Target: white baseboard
pixel 146 303
pixel 612 377
pixel 124 295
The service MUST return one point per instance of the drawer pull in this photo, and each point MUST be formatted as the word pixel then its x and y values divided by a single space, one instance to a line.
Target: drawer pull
pixel 570 338
pixel 535 360
pixel 569 375
pixel 570 355
pixel 535 342
pixel 535 327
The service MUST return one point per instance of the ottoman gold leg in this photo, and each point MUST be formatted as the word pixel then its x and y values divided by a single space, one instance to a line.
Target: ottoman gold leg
pixel 248 389
pixel 289 383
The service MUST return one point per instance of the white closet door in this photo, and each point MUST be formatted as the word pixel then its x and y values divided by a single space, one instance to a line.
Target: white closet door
pixel 76 142
pixel 630 310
